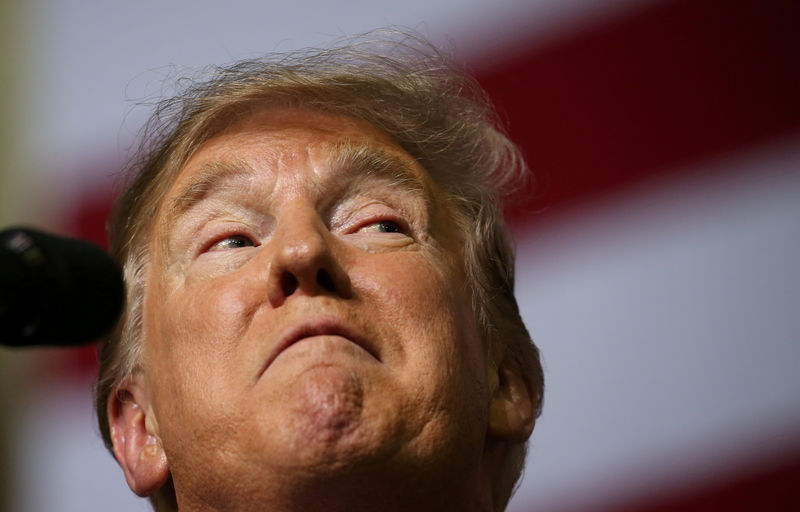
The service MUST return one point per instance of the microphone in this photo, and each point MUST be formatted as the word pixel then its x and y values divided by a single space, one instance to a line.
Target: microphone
pixel 56 291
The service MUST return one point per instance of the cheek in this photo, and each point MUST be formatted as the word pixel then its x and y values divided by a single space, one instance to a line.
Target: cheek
pixel 192 342
pixel 193 336
pixel 208 314
pixel 404 289
pixel 437 359
pixel 427 308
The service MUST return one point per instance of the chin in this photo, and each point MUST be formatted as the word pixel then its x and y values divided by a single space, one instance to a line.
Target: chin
pixel 325 418
pixel 326 407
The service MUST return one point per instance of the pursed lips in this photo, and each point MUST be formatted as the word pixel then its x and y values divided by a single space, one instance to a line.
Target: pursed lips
pixel 320 326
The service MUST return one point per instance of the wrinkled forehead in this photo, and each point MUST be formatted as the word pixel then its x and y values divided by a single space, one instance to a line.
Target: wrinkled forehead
pixel 336 150
pixel 298 120
pixel 275 135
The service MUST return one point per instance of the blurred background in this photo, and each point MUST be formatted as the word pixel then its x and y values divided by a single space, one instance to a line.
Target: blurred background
pixel 657 253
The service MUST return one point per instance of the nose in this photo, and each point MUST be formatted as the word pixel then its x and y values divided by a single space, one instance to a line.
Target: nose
pixel 302 262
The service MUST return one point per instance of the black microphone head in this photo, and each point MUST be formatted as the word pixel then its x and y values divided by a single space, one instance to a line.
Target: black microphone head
pixel 55 290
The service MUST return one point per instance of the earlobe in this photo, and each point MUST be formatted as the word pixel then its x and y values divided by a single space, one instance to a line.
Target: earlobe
pixel 135 440
pixel 511 410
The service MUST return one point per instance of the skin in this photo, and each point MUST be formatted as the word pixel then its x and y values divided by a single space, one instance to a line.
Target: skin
pixel 309 340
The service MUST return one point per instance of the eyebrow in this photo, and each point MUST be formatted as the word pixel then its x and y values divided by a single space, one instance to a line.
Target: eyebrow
pixel 360 162
pixel 211 177
pixel 353 162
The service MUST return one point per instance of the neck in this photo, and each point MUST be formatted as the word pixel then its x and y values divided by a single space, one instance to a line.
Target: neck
pixel 351 492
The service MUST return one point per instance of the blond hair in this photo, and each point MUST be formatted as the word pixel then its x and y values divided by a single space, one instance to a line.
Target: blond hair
pixel 400 84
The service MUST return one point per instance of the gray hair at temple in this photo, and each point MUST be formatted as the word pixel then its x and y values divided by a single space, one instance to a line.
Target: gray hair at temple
pixel 400 84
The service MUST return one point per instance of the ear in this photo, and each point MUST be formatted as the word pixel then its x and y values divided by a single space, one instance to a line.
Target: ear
pixel 134 435
pixel 511 410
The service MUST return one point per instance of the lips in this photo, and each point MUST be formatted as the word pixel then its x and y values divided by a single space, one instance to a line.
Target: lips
pixel 320 326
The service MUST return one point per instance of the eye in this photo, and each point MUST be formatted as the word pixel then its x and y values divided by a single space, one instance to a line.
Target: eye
pixel 384 226
pixel 232 242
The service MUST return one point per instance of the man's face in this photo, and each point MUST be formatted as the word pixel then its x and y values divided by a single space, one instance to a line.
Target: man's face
pixel 306 310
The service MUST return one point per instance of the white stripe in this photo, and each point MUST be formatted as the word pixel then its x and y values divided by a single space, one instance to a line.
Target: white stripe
pixel 668 318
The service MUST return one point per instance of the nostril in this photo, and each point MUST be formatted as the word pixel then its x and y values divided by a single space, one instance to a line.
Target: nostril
pixel 325 281
pixel 288 283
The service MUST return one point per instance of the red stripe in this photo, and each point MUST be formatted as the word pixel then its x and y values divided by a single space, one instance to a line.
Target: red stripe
pixel 772 485
pixel 677 82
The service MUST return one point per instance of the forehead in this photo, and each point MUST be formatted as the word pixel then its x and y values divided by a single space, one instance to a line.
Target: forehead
pixel 290 134
pixel 304 149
